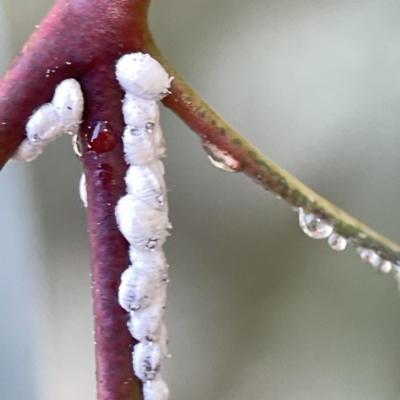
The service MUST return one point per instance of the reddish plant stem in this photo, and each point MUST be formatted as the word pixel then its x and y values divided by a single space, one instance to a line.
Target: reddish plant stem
pixel 105 169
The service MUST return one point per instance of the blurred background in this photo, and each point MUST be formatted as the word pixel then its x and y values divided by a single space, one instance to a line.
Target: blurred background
pixel 256 309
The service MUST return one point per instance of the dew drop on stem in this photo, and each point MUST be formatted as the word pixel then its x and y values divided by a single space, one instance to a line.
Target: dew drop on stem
pixel 369 256
pixel 385 267
pixel 337 242
pixel 221 159
pixel 316 226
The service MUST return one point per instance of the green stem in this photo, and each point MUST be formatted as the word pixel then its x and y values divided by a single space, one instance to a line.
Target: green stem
pixel 212 129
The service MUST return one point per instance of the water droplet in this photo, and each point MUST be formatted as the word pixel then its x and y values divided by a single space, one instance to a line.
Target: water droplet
pixel 337 242
pixel 150 127
pixel 315 226
pixel 385 267
pixel 77 145
pixel 369 256
pixel 102 138
pixel 221 159
pixel 362 235
pixel 220 164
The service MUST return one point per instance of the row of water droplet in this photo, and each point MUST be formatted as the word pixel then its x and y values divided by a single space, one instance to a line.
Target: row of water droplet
pixel 318 226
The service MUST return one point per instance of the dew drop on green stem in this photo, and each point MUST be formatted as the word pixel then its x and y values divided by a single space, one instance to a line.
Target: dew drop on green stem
pixel 316 226
pixel 221 159
pixel 337 242
pixel 385 267
pixel 369 256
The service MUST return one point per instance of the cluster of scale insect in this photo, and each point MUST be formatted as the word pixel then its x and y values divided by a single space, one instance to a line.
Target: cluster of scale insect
pixel 62 115
pixel 142 214
pixel 142 217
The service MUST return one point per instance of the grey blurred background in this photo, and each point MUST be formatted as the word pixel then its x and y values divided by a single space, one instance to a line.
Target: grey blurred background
pixel 256 310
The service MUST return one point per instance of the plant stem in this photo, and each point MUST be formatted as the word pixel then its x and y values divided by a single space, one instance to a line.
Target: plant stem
pixel 212 129
pixel 105 169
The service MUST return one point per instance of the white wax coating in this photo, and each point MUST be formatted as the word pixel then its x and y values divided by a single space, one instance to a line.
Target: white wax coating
pixel 147 357
pixel 139 289
pixel 27 151
pixel 68 102
pixel 163 340
pixel 145 324
pixel 44 125
pixel 142 76
pixel 142 218
pixel 156 389
pixel 141 225
pixel 158 141
pixel 139 112
pixel 83 190
pixel 146 182
pixel 149 260
pixel 139 146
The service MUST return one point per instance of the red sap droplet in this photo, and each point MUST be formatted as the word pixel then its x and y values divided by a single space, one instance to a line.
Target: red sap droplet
pixel 102 138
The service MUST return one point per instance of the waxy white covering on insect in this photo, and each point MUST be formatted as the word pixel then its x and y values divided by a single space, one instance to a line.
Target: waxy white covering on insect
pixel 146 324
pixel 139 112
pixel 139 146
pixel 142 217
pixel 142 76
pixel 147 358
pixel 139 289
pixel 152 261
pixel 156 389
pixel 44 125
pixel 140 223
pixel 68 102
pixel 62 115
pixel 146 182
pixel 27 151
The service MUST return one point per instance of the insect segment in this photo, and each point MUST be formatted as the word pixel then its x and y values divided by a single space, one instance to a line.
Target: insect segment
pixel 62 115
pixel 142 217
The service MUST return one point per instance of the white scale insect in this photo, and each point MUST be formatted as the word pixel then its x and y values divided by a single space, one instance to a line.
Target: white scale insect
pixel 142 217
pixel 62 115
pixel 142 214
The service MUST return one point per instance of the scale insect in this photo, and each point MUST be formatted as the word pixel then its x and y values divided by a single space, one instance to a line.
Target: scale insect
pixel 62 115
